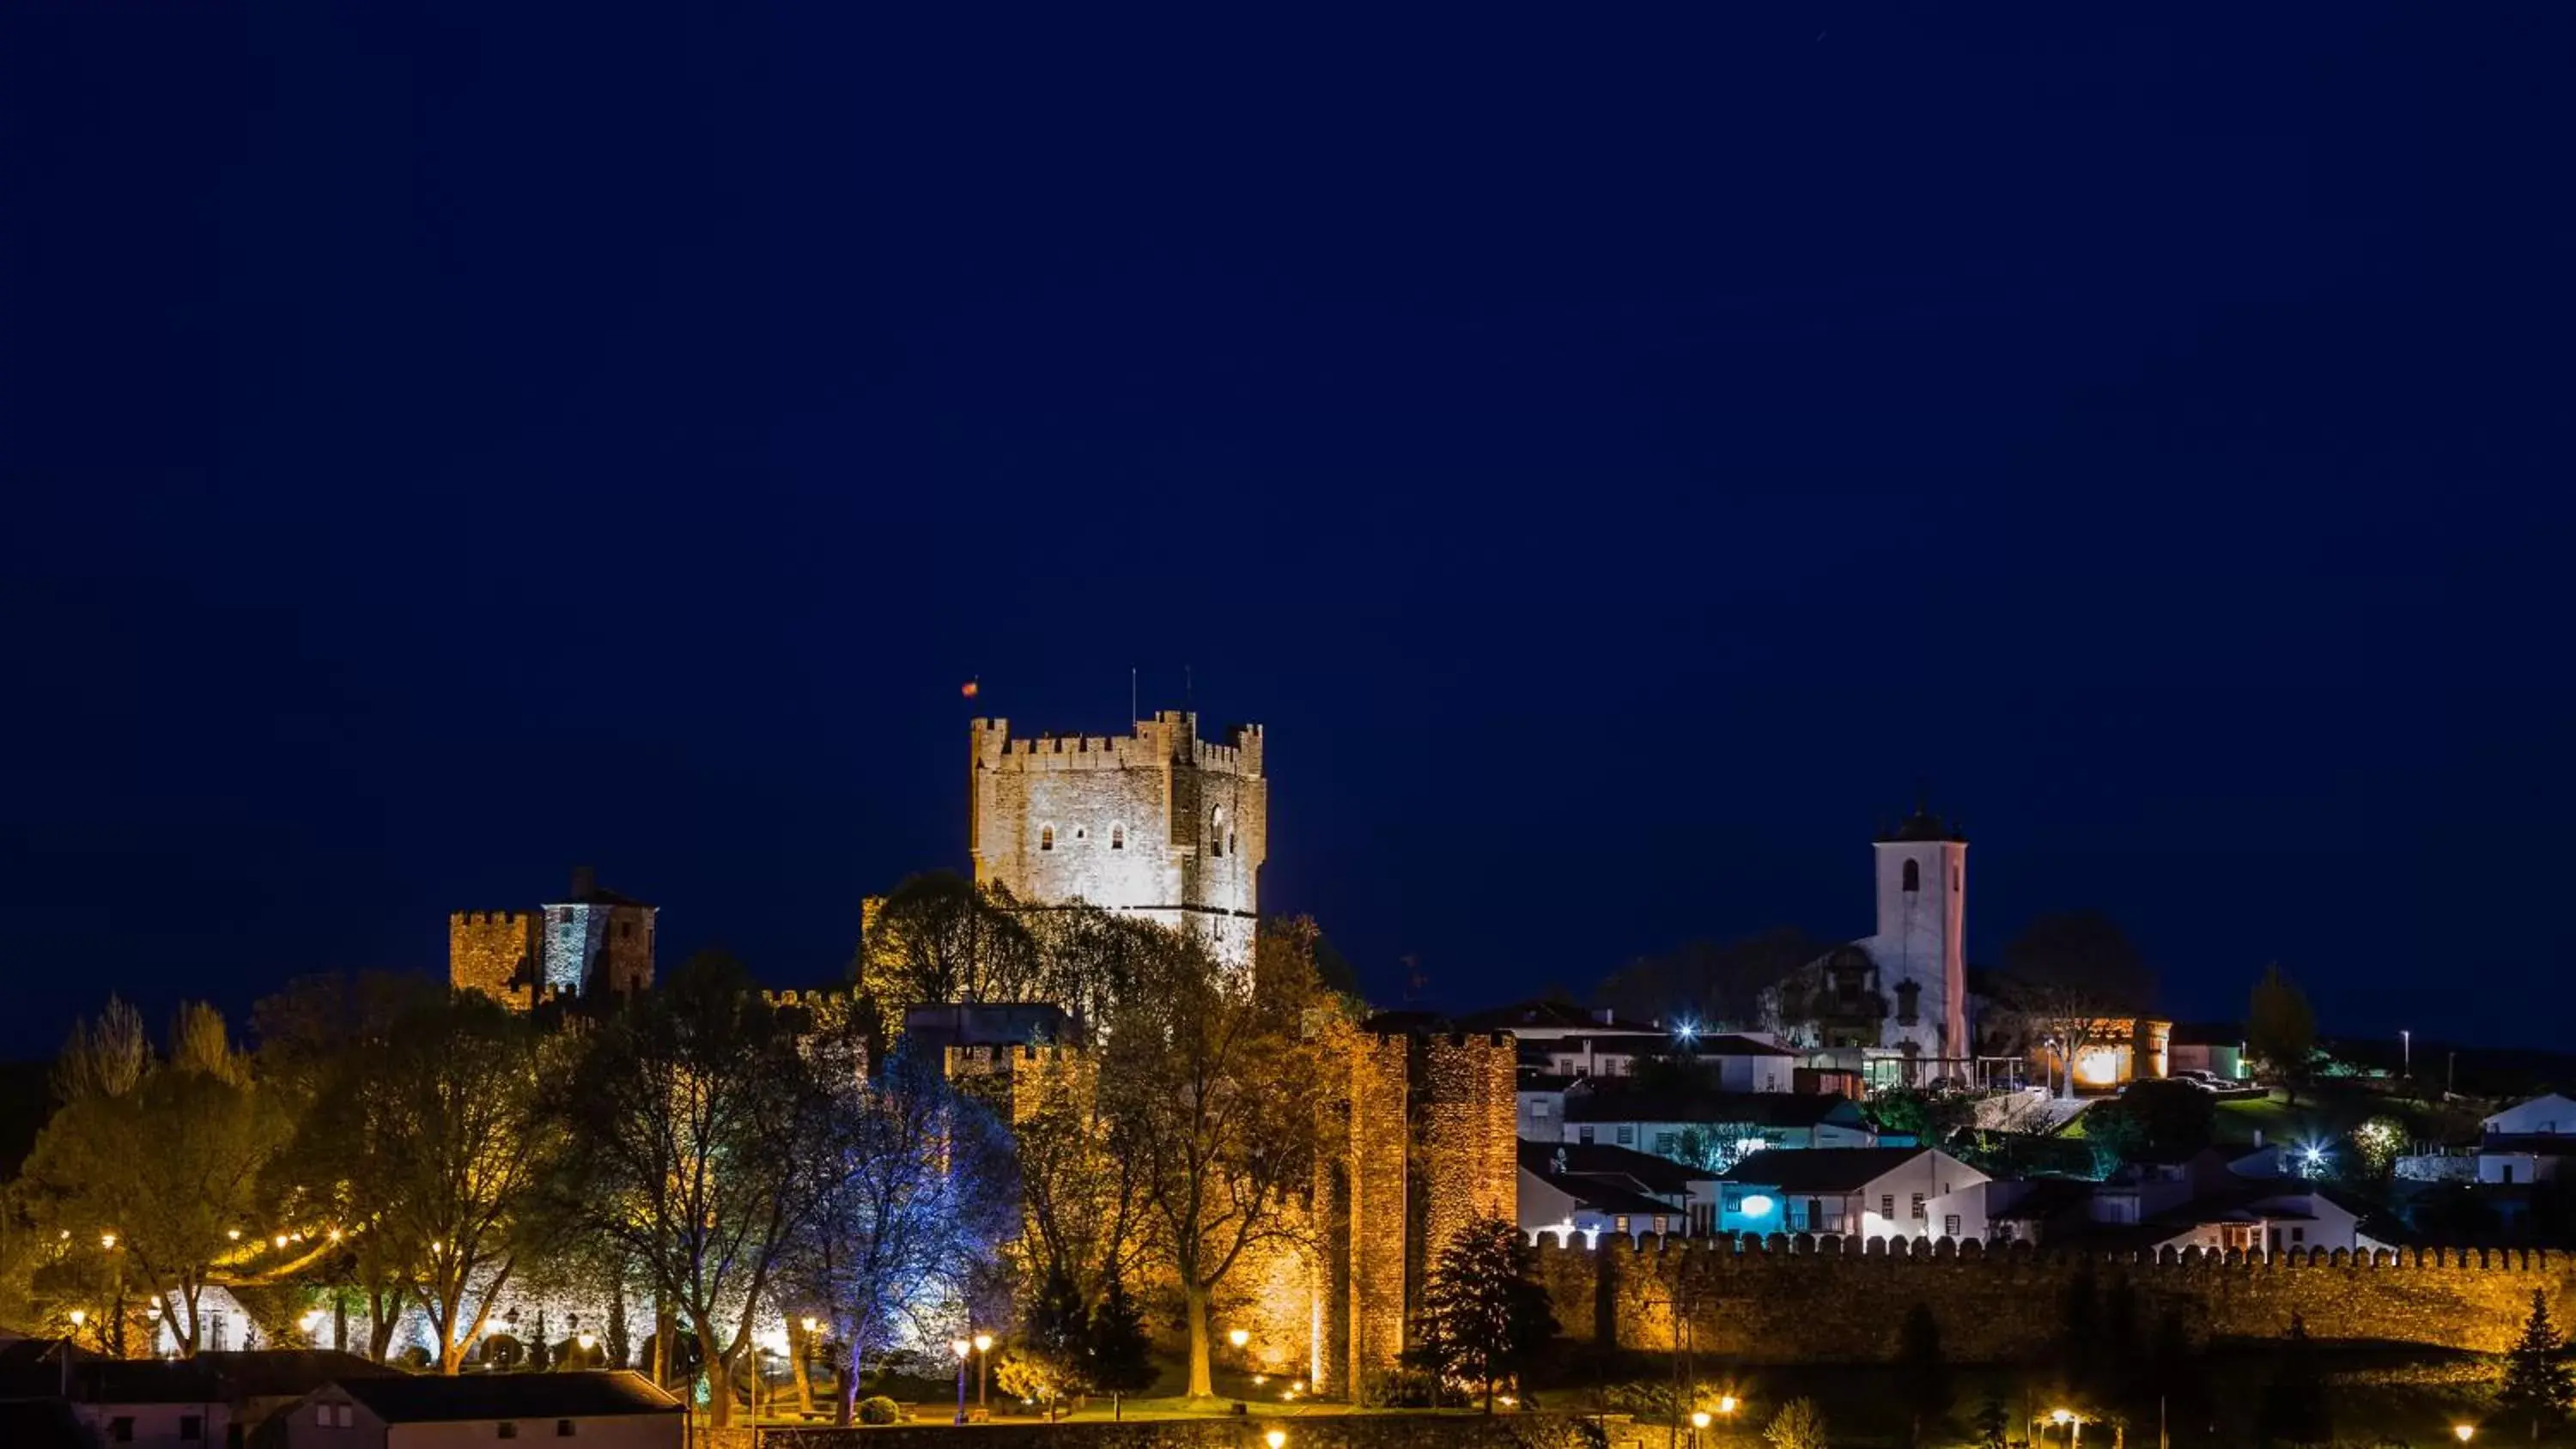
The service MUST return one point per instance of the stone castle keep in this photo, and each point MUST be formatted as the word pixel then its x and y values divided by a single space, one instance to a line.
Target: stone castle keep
pixel 593 942
pixel 1159 823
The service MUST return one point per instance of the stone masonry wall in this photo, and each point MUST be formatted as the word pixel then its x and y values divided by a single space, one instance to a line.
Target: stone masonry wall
pixel 493 952
pixel 1761 1302
pixel 1467 1128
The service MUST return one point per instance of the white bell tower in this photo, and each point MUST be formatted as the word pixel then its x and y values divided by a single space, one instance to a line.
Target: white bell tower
pixel 1921 947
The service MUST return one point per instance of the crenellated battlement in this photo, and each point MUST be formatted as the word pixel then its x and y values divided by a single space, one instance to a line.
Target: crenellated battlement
pixel 1168 738
pixel 1787 1298
pixel 507 920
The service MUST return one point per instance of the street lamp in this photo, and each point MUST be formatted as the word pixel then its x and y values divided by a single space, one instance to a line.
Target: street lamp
pixel 2405 1052
pixel 983 1366
pixel 2464 1432
pixel 1726 1403
pixel 1699 1421
pixel 107 1240
pixel 961 1348
pixel 1275 1438
pixel 2074 1423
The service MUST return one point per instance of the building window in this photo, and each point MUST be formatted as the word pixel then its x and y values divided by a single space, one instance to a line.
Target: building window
pixel 508 1430
pixel 1583 1135
pixel 1619 1225
pixel 1913 875
pixel 1117 837
pixel 192 1426
pixel 2298 1235
pixel 1538 1110
pixel 120 1430
pixel 1229 842
pixel 1950 1225
pixel 1046 837
pixel 1919 1214
pixel 1887 1206
pixel 1627 1134
pixel 1954 880
pixel 563 1428
pixel 1664 1144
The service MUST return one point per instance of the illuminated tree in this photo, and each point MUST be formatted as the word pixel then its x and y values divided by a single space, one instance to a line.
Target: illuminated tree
pixel 1207 1084
pixel 2067 978
pixel 689 1129
pixel 151 1166
pixel 913 1198
pixel 2537 1386
pixel 318 1041
pixel 1484 1317
pixel 940 938
pixel 1798 1425
pixel 448 1147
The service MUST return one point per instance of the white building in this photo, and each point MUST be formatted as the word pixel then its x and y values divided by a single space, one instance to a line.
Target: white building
pixel 1865 1192
pixel 611 1410
pixel 1896 1000
pixel 1572 1191
pixel 2548 1116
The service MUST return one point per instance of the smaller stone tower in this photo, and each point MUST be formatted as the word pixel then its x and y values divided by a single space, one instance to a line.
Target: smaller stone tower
pixel 594 942
pixel 597 941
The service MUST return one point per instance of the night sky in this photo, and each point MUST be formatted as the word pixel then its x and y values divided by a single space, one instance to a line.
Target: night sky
pixel 1617 460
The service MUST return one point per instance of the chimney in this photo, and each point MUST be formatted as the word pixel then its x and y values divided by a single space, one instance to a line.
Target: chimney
pixel 584 881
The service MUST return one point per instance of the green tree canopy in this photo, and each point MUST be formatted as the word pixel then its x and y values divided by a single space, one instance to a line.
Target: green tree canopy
pixel 2280 1027
pixel 1484 1317
pixel 2537 1387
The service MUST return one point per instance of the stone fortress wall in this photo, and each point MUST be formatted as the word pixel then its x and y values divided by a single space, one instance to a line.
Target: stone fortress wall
pixel 1786 1300
pixel 1158 822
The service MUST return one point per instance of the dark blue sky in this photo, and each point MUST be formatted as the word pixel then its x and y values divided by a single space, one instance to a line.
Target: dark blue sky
pixel 1617 459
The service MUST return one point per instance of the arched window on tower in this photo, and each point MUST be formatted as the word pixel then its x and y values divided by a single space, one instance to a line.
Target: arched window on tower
pixel 1046 838
pixel 1216 831
pixel 1117 837
pixel 1913 875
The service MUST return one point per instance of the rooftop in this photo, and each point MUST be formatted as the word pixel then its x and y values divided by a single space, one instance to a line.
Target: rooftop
pixel 1607 1100
pixel 1922 825
pixel 1597 1160
pixel 1821 1169
pixel 433 1398
pixel 1548 1014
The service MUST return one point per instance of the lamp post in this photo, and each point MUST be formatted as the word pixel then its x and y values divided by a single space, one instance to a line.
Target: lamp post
pixel 961 1348
pixel 2406 1053
pixel 1275 1438
pixel 1699 1421
pixel 2074 1423
pixel 2464 1432
pixel 983 1367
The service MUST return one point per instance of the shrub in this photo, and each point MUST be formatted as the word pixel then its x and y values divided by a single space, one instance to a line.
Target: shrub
pixel 1403 1389
pixel 880 1410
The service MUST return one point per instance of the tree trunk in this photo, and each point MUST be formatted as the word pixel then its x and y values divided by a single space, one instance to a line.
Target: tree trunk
pixel 382 1310
pixel 798 1345
pixel 719 1382
pixel 617 1344
pixel 1194 1297
pixel 846 1398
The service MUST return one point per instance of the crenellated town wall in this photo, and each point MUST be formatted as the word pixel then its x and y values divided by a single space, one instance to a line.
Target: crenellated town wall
pixel 1783 1300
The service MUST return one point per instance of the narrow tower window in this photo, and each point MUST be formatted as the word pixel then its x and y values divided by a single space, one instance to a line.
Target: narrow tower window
pixel 1216 832
pixel 1117 837
pixel 1046 839
pixel 1913 875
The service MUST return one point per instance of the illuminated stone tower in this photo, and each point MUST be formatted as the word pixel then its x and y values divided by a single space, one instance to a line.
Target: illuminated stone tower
pixel 591 943
pixel 1160 823
pixel 1920 947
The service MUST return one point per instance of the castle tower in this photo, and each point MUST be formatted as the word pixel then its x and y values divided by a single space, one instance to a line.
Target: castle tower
pixel 1158 822
pixel 494 952
pixel 1920 947
pixel 596 941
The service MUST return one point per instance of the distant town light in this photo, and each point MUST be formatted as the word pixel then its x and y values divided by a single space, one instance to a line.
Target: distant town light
pixel 107 1240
